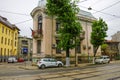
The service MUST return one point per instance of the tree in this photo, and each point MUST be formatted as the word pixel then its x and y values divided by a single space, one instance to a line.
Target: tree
pixel 70 29
pixel 104 48
pixel 98 34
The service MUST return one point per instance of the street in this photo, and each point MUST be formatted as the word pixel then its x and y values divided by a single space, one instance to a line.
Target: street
pixel 91 72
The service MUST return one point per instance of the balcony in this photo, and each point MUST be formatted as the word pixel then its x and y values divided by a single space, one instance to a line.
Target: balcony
pixel 37 33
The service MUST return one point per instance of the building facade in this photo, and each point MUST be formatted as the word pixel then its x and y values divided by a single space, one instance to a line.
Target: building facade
pixel 25 47
pixel 116 37
pixel 8 39
pixel 112 49
pixel 45 34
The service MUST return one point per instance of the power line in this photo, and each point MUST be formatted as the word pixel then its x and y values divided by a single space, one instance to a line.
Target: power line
pixel 102 12
pixel 13 13
pixel 112 19
pixel 107 7
pixel 23 21
pixel 83 1
pixel 96 2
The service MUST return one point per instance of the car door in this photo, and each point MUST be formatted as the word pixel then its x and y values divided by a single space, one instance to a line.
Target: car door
pixel 106 59
pixel 47 62
pixel 53 62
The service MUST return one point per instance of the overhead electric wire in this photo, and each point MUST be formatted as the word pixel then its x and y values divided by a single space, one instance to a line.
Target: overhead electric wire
pixel 102 12
pixel 96 2
pixel 83 1
pixel 23 21
pixel 13 13
pixel 108 7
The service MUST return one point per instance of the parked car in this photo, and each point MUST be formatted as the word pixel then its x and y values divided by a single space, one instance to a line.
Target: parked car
pixel 102 59
pixel 48 62
pixel 12 60
pixel 20 60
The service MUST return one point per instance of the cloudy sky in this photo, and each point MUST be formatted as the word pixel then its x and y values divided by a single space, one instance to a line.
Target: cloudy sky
pixel 18 12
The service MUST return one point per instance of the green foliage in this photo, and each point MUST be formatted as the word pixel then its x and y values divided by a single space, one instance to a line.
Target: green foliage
pixel 98 34
pixel 104 46
pixel 66 11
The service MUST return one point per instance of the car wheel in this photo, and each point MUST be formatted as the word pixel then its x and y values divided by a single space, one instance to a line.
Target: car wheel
pixel 43 66
pixel 59 65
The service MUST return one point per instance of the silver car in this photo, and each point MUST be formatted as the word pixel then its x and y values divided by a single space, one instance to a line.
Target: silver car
pixel 49 62
pixel 102 59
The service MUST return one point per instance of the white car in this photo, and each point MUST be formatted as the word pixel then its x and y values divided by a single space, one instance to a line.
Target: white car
pixel 102 59
pixel 12 60
pixel 48 62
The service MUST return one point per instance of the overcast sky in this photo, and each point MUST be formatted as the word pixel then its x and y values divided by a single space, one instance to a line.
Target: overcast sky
pixel 18 12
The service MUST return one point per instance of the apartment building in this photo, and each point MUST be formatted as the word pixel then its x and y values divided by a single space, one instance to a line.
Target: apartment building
pixel 45 37
pixel 25 47
pixel 8 39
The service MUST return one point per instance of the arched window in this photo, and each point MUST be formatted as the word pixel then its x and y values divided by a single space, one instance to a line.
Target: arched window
pixel 39 22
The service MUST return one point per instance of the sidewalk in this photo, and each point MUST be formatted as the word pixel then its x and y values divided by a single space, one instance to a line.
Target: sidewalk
pixel 30 67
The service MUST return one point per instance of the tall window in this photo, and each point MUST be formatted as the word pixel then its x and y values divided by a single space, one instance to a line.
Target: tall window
pixel 6 31
pixel 38 46
pixel 5 40
pixel 25 42
pixel 8 41
pixel 1 40
pixel 15 44
pixel 15 36
pixel 39 22
pixel 58 51
pixel 57 25
pixel 2 29
pixel 1 51
pixel 11 42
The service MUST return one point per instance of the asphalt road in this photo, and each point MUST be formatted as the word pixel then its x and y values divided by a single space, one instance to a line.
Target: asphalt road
pixel 93 72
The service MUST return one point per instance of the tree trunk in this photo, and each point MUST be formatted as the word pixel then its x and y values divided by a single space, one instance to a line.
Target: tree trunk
pixel 67 57
pixel 95 51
